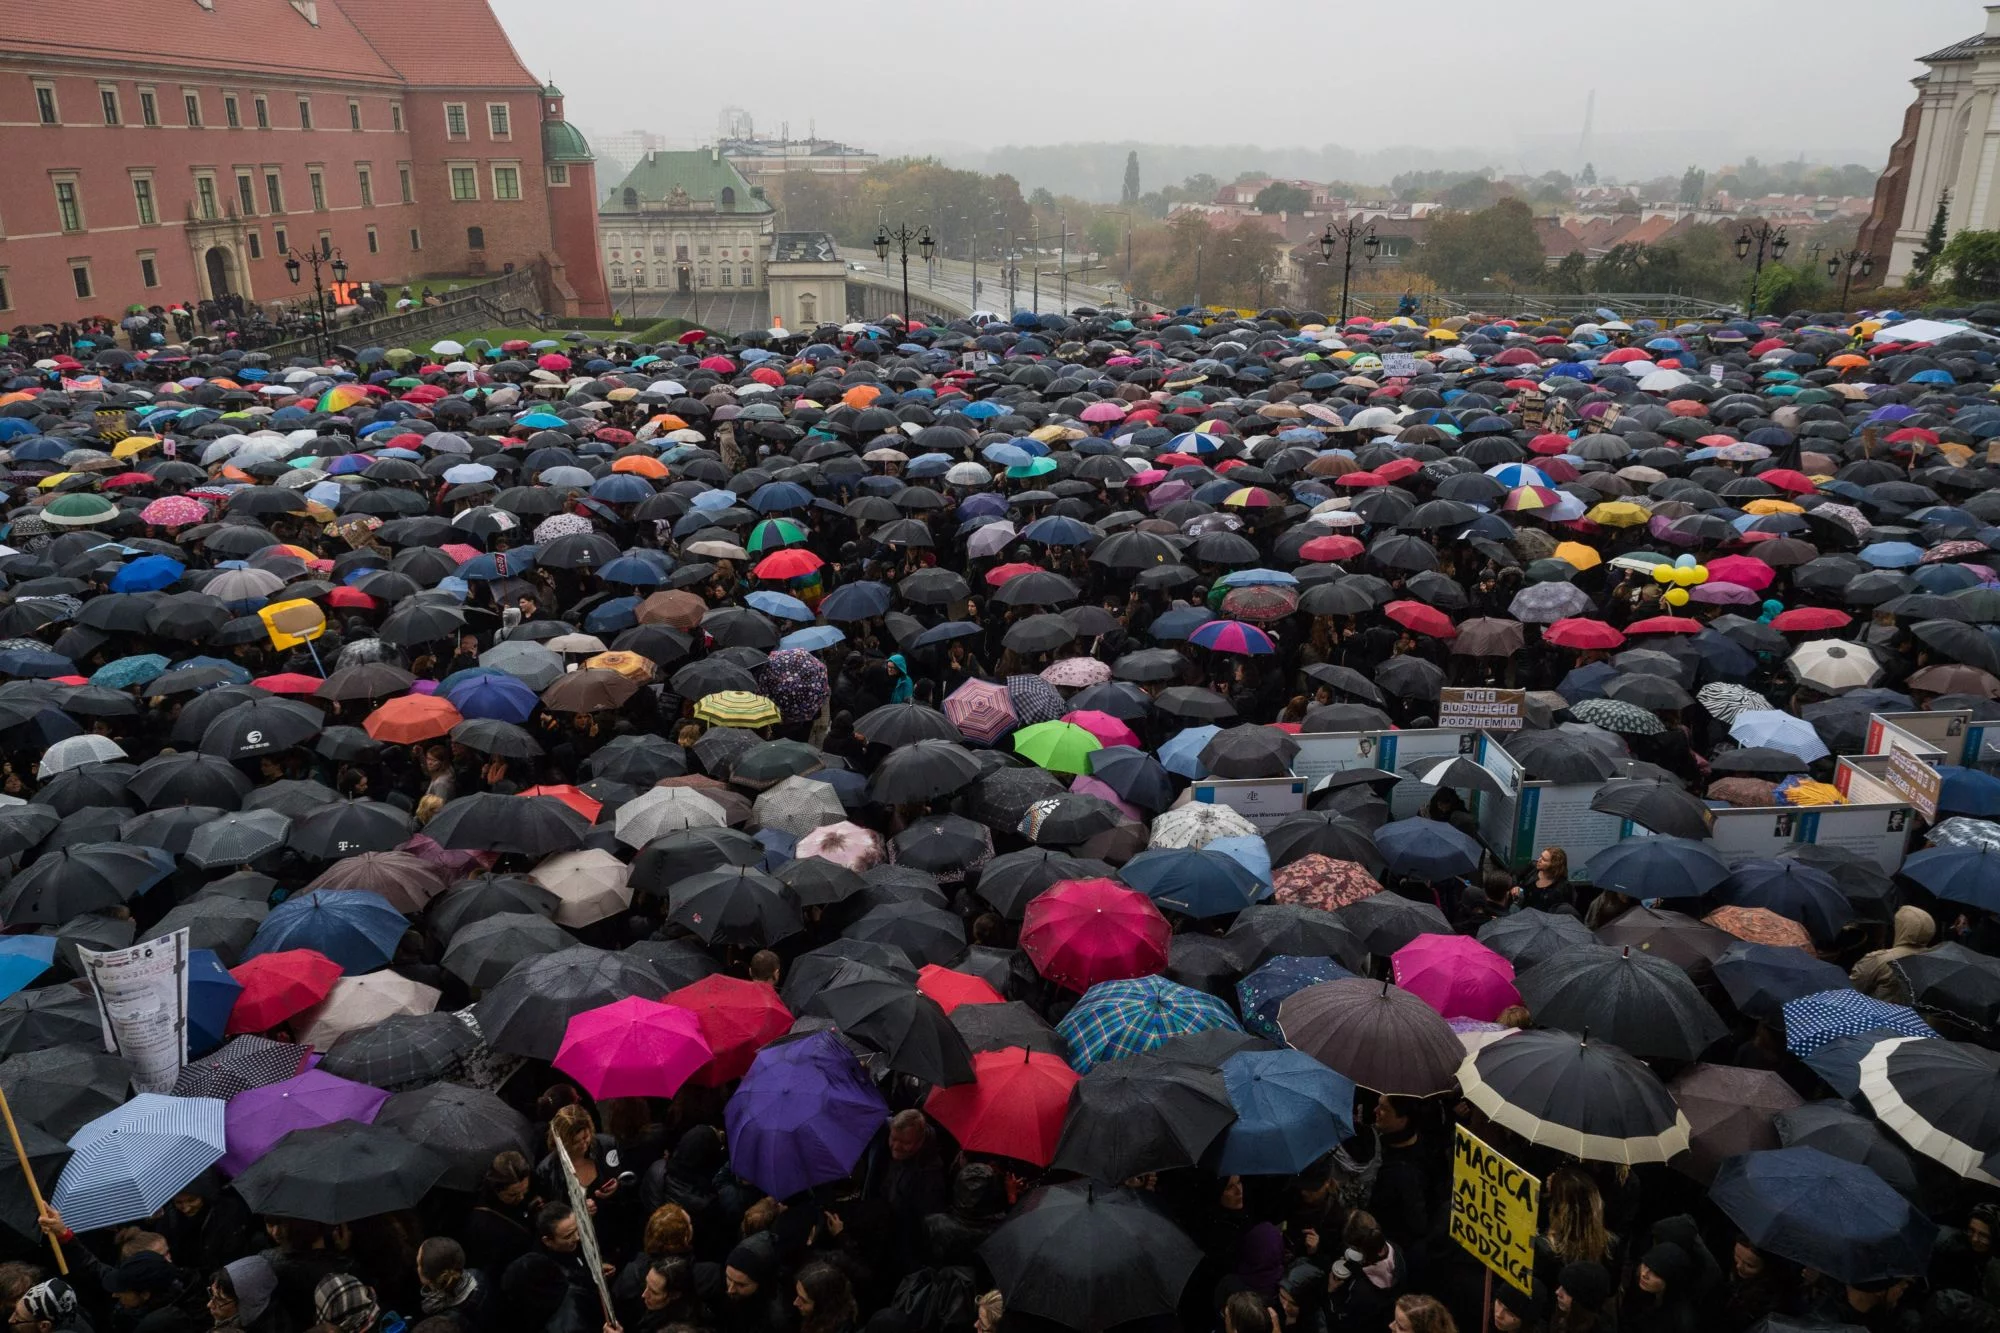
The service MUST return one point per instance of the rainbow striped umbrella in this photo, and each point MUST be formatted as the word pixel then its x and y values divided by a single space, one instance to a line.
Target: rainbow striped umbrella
pixel 1231 636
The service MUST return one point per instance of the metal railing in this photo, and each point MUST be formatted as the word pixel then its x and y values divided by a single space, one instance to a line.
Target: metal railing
pixel 498 300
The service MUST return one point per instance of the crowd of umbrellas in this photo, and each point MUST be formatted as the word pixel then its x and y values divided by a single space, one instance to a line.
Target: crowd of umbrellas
pixel 559 768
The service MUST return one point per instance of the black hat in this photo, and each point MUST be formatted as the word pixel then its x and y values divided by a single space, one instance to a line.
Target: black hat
pixel 146 1270
pixel 1587 1283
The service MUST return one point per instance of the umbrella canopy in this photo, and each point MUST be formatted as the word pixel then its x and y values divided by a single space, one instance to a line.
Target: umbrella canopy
pixel 339 1173
pixel 1644 1004
pixel 1588 1099
pixel 1457 976
pixel 632 1047
pixel 1014 1106
pixel 1834 1216
pixel 1115 1019
pixel 1379 1037
pixel 1729 1111
pixel 129 1163
pixel 1081 932
pixel 802 1116
pixel 1937 1096
pixel 1290 1111
pixel 1088 1257
pixel 1140 1114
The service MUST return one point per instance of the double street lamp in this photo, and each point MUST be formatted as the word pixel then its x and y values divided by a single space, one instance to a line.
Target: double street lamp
pixel 901 237
pixel 295 262
pixel 1760 236
pixel 1855 263
pixel 1346 236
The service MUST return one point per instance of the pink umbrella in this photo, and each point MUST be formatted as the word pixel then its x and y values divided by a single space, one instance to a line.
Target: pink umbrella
pixel 1096 787
pixel 1716 593
pixel 981 710
pixel 1104 412
pixel 552 361
pixel 1077 672
pixel 843 844
pixel 1743 571
pixel 633 1047
pixel 1105 727
pixel 1456 975
pixel 1083 931
pixel 1167 492
pixel 174 511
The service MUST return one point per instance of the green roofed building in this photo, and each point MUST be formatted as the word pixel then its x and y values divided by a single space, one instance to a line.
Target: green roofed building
pixel 685 221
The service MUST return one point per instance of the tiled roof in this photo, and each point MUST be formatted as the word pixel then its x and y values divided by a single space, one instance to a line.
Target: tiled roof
pixel 803 247
pixel 1968 49
pixel 454 44
pixel 704 176
pixel 241 36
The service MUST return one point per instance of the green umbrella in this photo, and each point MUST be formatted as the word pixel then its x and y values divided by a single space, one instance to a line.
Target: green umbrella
pixel 773 534
pixel 78 510
pixel 1060 747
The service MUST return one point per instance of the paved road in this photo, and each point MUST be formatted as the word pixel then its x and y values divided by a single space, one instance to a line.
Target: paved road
pixel 954 283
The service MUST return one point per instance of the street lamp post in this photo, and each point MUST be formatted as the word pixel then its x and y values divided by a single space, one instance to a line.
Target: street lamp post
pixel 295 261
pixel 1854 262
pixel 1345 236
pixel 901 238
pixel 1760 236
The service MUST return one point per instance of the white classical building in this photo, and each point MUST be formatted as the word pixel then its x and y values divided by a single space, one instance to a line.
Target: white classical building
pixel 808 280
pixel 1949 150
pixel 685 222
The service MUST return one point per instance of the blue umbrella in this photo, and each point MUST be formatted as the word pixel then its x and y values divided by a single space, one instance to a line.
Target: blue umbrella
pixel 1247 850
pixel 29 664
pixel 1968 791
pixel 1658 868
pixel 1173 625
pixel 1759 978
pixel 1259 994
pixel 631 569
pixel 946 631
pixel 1427 849
pixel 1962 874
pixel 1813 1020
pixel 1291 1110
pixel 22 959
pixel 1196 882
pixel 812 638
pixel 856 601
pixel 621 488
pixel 777 497
pixel 609 617
pixel 781 605
pixel 1135 775
pixel 1059 530
pixel 1892 555
pixel 493 695
pixel 129 1163
pixel 1182 752
pixel 802 1116
pixel 1817 1210
pixel 149 573
pixel 355 928
pixel 212 993
pixel 1791 889
pixel 1838 1060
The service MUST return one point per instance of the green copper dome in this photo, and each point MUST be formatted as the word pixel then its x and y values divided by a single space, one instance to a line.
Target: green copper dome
pixel 563 142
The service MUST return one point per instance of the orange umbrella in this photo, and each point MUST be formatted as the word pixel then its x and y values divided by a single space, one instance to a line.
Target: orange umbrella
pixel 644 465
pixel 629 665
pixel 861 395
pixel 1760 925
pixel 412 718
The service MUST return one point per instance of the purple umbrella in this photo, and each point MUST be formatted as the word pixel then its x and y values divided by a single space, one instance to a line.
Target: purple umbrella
pixel 802 1116
pixel 257 1119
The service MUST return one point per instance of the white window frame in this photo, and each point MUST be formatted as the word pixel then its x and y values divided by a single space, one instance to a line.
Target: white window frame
pixel 274 201
pixel 507 114
pixel 374 242
pixel 55 102
pixel 146 257
pixel 396 117
pixel 558 175
pixel 262 108
pixel 306 118
pixel 471 170
pixel 76 266
pixel 232 110
pixel 151 200
pixel 56 181
pixel 214 198
pixel 364 179
pixel 498 197
pixel 464 130
pixel 316 188
pixel 149 106
pixel 108 102
pixel 192 109
pixel 406 182
pixel 246 192
pixel 354 114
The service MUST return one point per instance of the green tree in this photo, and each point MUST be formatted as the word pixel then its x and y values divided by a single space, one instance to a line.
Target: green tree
pixel 1572 275
pixel 1474 192
pixel 1041 198
pixel 1788 287
pixel 1972 258
pixel 1934 243
pixel 1589 176
pixel 1692 181
pixel 1280 197
pixel 1462 250
pixel 1130 194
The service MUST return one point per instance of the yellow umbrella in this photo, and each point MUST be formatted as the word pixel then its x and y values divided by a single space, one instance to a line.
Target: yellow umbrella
pixel 1443 335
pixel 133 445
pixel 1770 506
pixel 630 665
pixel 49 483
pixel 1815 793
pixel 1616 514
pixel 1578 555
pixel 738 708
pixel 1401 322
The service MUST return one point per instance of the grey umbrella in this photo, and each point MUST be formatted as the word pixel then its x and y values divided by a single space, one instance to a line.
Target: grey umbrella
pixel 467 1126
pixel 221 924
pixel 485 950
pixel 34 1020
pixel 237 838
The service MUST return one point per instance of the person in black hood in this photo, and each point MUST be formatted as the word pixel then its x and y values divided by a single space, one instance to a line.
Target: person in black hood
pixel 755 1289
pixel 978 1206
pixel 147 1288
pixel 1660 1298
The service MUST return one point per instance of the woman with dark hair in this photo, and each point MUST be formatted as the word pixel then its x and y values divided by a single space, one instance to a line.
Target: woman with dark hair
pixel 1364 1279
pixel 824 1300
pixel 497 1230
pixel 668 1297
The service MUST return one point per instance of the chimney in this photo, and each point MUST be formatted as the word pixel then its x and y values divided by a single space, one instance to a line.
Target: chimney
pixel 309 10
pixel 715 150
pixel 1992 22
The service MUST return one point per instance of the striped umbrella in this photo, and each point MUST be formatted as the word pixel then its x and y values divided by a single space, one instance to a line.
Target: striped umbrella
pixel 738 708
pixel 981 710
pixel 1228 636
pixel 131 1162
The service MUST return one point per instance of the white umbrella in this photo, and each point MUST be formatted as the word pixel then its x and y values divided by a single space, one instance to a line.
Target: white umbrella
pixel 664 810
pixel 75 751
pixel 1779 731
pixel 360 1002
pixel 967 474
pixel 591 883
pixel 989 540
pixel 1834 665
pixel 447 347
pixel 1197 824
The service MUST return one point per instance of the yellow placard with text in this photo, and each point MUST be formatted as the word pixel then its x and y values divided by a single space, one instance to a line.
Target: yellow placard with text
pixel 1495 1207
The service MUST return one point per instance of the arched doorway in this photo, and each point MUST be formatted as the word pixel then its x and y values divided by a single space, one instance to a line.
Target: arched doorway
pixel 221 265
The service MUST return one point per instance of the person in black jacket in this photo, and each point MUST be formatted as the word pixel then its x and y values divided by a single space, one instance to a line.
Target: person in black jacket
pixel 498 1229
pixel 757 1295
pixel 1410 1187
pixel 451 1287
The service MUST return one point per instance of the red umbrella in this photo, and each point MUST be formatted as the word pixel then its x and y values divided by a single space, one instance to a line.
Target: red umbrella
pixel 691 337
pixel 951 989
pixel 1811 618
pixel 278 986
pixel 1083 931
pixel 555 361
pixel 721 365
pixel 1743 571
pixel 1664 625
pixel 1785 479
pixel 738 1018
pixel 1335 547
pixel 352 599
pixel 791 563
pixel 412 718
pixel 1582 632
pixel 1014 1106
pixel 573 797
pixel 999 574
pixel 1105 727
pixel 289 682
pixel 1422 619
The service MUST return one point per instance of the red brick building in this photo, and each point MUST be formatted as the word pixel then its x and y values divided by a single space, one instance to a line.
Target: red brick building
pixel 176 151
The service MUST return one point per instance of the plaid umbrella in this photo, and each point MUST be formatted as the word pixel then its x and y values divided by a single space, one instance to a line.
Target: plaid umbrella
pixel 402 1051
pixel 1115 1019
pixel 983 711
pixel 798 805
pixel 797 682
pixel 1316 880
pixel 1196 825
pixel 1760 925
pixel 1259 994
pixel 1615 715
pixel 1032 700
pixel 245 1063
pixel 1811 1021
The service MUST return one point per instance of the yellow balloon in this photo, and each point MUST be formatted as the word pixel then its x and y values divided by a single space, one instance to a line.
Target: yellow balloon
pixel 1700 574
pixel 1684 577
pixel 1663 573
pixel 1676 597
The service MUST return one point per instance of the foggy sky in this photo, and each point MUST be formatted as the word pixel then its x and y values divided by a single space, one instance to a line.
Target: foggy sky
pixel 1714 79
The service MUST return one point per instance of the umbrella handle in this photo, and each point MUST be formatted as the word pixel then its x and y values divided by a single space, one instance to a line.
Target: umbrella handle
pixel 34 1189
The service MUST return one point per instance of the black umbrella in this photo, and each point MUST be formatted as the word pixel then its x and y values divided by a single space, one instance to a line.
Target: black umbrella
pixel 1560 757
pixel 1685 941
pixel 1071 819
pixel 348 827
pixel 1384 1039
pixel 1960 642
pixel 1150 666
pixel 110 784
pixel 1943 1101
pixel 490 822
pixel 1583 1097
pixel 34 1020
pixel 46 1156
pixel 22 826
pixel 901 724
pixel 1325 832
pixel 927 934
pixel 487 895
pixel 266 726
pixel 921 772
pixel 1644 1004
pixel 1193 704
pixel 338 1173
pixel 167 828
pixel 1265 930
pixel 1134 775
pixel 485 950
pixel 684 852
pixel 1838 1130
pixel 1087 1257
pixel 1663 807
pixel 64 1088
pixel 492 736
pixel 1249 751
pixel 679 962
pixel 1385 922
pixel 237 838
pixel 735 905
pixel 1011 881
pixel 529 1010
pixel 467 1126
pixel 995 1027
pixel 1956 980
pixel 86 877
pixel 188 779
pixel 1143 1113
pixel 223 925
pixel 1529 936
pixel 895 1018
pixel 1757 761
pixel 942 845
pixel 1038 634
